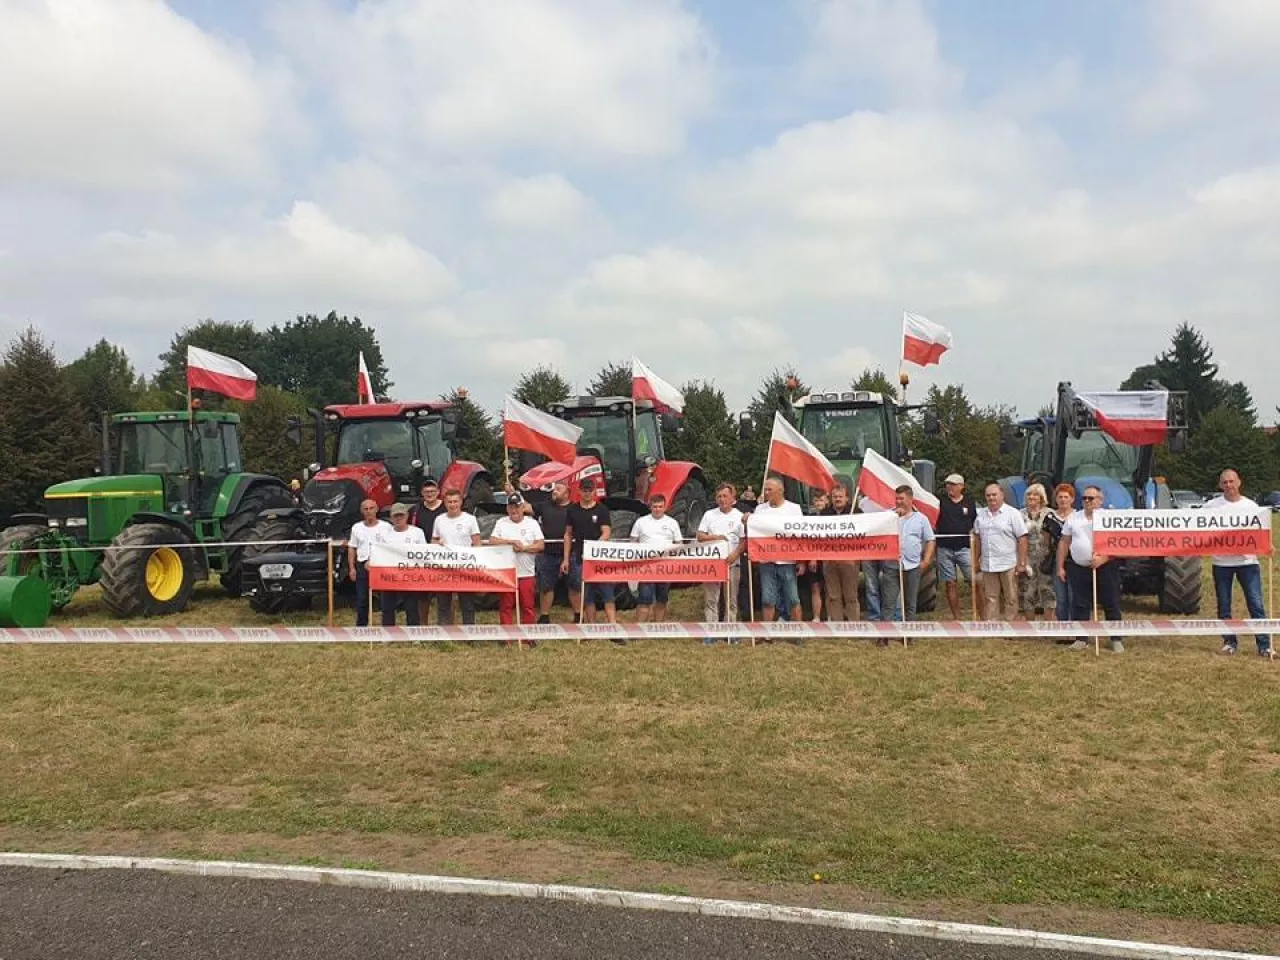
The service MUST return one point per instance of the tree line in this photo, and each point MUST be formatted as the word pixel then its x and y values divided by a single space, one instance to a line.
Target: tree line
pixel 50 413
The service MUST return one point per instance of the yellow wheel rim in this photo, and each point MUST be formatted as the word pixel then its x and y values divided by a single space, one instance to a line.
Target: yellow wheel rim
pixel 164 574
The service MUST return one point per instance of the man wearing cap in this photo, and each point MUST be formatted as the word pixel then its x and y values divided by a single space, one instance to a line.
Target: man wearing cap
pixel 956 511
pixel 364 535
pixel 523 535
pixel 423 516
pixel 589 519
pixel 401 534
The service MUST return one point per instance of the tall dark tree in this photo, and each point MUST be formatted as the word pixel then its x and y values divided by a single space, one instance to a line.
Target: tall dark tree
pixel 104 381
pixel 317 357
pixel 1228 439
pixel 264 445
pixel 241 341
pixel 707 436
pixel 483 440
pixel 541 387
pixel 1237 397
pixel 44 435
pixel 776 392
pixel 611 380
pixel 875 380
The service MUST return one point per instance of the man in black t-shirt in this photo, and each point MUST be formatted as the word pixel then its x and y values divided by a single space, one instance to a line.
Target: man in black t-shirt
pixel 551 566
pixel 589 520
pixel 424 515
pixel 956 512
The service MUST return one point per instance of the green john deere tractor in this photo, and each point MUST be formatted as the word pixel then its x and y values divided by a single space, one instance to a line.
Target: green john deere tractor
pixel 164 484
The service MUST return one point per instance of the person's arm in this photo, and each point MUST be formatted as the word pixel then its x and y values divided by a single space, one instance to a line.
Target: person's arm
pixel 536 546
pixel 568 545
pixel 606 531
pixel 1022 552
pixel 1064 544
pixel 977 550
pixel 351 557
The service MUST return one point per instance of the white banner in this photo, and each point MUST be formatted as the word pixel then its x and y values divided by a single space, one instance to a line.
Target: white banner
pixel 432 566
pixel 845 537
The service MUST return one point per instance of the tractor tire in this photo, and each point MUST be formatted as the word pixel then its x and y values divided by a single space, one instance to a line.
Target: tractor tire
pixel 624 598
pixel 21 537
pixel 1180 590
pixel 927 597
pixel 688 506
pixel 153 577
pixel 239 526
pixel 262 534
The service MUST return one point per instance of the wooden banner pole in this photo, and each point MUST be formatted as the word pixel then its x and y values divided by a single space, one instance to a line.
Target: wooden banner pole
pixel 1097 640
pixel 902 596
pixel 973 578
pixel 329 568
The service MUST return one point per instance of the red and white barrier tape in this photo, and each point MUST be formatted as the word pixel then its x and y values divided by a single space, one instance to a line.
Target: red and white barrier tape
pixel 943 629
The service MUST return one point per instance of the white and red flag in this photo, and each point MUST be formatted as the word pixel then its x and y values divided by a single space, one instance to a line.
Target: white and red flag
pixel 1138 417
pixel 794 456
pixel 364 383
pixel 527 428
pixel 647 385
pixel 923 341
pixel 879 479
pixel 845 538
pixel 219 374
pixel 435 567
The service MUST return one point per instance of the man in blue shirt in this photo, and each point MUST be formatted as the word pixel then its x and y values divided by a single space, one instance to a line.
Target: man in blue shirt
pixel 916 546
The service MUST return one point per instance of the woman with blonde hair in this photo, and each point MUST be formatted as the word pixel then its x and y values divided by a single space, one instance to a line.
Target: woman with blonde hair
pixel 1035 594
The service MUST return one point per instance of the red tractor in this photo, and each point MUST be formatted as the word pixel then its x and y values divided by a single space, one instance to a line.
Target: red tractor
pixel 621 443
pixel 372 451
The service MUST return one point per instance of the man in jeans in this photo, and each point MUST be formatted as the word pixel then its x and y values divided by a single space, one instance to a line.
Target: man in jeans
pixel 1001 544
pixel 723 523
pixel 778 585
pixel 454 528
pixel 1080 567
pixel 1243 568
pixel 956 511
pixel 841 578
pixel 657 527
pixel 915 553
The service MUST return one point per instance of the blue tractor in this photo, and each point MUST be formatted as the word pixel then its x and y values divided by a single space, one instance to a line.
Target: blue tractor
pixel 1069 447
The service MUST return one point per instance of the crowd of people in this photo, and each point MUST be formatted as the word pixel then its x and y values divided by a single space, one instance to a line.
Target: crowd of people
pixel 1030 563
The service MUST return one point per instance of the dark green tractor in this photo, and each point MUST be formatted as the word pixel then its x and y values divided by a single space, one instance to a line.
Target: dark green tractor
pixel 164 485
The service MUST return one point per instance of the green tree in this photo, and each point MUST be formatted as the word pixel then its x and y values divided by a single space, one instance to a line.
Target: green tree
pixel 968 439
pixel 44 436
pixel 483 441
pixel 612 380
pixel 1227 439
pixel 541 387
pixel 707 435
pixel 104 381
pixel 775 393
pixel 1187 366
pixel 875 380
pixel 240 341
pixel 1237 396
pixel 264 445
pixel 317 358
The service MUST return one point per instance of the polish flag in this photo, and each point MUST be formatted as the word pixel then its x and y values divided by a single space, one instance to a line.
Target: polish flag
pixel 364 383
pixel 219 374
pixel 1137 417
pixel 527 428
pixel 647 385
pixel 878 480
pixel 923 341
pixel 794 456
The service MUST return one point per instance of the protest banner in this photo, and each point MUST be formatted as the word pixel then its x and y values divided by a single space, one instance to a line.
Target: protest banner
pixel 1181 533
pixel 608 561
pixel 844 538
pixel 431 567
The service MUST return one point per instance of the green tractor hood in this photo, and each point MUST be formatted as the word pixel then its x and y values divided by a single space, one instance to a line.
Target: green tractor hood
pixel 131 485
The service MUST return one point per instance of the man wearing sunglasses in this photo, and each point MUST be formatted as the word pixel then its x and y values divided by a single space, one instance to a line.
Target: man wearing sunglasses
pixel 1076 566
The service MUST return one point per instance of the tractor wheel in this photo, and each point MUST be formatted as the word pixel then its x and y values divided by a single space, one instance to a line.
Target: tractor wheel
pixel 238 528
pixel 274 604
pixel 148 571
pixel 262 534
pixel 927 598
pixel 688 506
pixel 624 598
pixel 1180 591
pixel 22 537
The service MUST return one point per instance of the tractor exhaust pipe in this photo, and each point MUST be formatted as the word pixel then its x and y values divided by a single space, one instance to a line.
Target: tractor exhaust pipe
pixel 105 452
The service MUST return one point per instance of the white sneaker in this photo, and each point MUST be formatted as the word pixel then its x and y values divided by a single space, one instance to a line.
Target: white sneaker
pixel 1227 650
pixel 1117 646
pixel 1079 645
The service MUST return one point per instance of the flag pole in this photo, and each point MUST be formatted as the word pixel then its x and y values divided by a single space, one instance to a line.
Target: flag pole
pixel 902 597
pixel 973 579
pixel 1097 639
pixel 329 570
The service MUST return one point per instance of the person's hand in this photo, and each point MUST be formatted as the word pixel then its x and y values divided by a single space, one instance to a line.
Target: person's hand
pixel 564 568
pixel 1098 560
pixel 352 574
pixel 509 488
pixel 1062 574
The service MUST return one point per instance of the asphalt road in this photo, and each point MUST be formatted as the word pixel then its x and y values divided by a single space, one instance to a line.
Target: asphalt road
pixel 50 914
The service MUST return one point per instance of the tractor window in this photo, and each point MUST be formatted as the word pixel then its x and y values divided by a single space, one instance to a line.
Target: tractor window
pixel 1096 454
pixel 388 440
pixel 844 434
pixel 231 444
pixel 1033 452
pixel 152 448
pixel 606 434
pixel 647 436
pixel 433 448
pixel 213 450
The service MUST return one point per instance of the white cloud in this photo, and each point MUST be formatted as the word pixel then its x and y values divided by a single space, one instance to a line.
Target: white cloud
pixel 580 80
pixel 127 95
pixel 543 202
pixel 891 43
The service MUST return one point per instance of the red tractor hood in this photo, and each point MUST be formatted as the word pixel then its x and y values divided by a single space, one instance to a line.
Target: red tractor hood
pixel 372 478
pixel 544 474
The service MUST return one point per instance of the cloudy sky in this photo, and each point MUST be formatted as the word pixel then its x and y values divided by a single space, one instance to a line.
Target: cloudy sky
pixel 718 186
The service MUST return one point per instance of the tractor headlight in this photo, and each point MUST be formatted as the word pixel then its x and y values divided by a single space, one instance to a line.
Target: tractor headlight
pixel 77 521
pixel 53 523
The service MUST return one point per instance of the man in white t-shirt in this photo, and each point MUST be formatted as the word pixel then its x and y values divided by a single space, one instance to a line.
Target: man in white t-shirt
pixel 523 534
pixel 364 535
pixel 1000 542
pixel 657 527
pixel 453 528
pixel 401 534
pixel 1080 568
pixel 778 580
pixel 1243 568
pixel 723 523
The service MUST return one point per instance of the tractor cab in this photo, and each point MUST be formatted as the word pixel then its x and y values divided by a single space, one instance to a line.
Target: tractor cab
pixel 191 465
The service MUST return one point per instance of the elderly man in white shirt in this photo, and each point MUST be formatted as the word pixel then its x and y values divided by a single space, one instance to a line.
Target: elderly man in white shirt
pixel 1000 539
pixel 408 535
pixel 364 535
pixel 723 523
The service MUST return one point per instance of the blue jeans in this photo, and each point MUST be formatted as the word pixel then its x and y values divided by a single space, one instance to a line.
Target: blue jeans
pixel 1250 577
pixel 1062 594
pixel 881 583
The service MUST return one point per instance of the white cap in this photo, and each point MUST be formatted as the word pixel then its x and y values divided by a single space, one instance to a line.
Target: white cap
pixel 954 478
